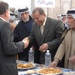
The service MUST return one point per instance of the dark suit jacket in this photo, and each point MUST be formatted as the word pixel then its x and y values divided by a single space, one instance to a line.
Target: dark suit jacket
pixel 8 50
pixel 52 33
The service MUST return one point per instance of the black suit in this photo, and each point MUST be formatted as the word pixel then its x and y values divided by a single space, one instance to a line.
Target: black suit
pixel 52 33
pixel 8 50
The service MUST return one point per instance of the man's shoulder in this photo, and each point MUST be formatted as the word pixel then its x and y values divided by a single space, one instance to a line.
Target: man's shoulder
pixel 34 24
pixel 31 20
pixel 2 23
pixel 19 23
pixel 52 19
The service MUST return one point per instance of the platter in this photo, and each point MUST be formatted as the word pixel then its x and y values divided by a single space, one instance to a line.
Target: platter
pixel 25 66
pixel 50 71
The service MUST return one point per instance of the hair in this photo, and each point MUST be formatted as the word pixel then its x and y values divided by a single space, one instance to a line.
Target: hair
pixel 40 10
pixel 3 7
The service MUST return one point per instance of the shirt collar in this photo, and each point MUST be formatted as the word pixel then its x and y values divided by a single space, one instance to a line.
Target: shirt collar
pixel 3 19
pixel 45 21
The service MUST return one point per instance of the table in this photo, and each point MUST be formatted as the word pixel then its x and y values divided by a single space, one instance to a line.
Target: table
pixel 65 71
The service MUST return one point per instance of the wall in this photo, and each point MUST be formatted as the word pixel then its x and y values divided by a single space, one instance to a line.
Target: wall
pixel 61 7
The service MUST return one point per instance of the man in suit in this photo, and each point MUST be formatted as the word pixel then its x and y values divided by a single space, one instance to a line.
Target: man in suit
pixel 23 30
pixel 47 37
pixel 8 49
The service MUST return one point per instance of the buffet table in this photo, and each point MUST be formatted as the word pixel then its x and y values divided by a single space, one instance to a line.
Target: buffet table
pixel 38 66
pixel 65 72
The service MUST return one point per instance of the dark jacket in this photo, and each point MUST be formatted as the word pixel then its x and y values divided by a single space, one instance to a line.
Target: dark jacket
pixel 21 31
pixel 8 50
pixel 52 33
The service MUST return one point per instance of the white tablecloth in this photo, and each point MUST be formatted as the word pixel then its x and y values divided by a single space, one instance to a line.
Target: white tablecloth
pixel 21 72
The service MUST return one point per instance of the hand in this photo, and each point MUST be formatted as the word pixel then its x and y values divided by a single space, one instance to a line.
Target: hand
pixel 43 47
pixel 53 64
pixel 72 59
pixel 26 42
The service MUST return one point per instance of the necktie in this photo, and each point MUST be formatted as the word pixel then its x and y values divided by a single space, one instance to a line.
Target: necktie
pixel 42 29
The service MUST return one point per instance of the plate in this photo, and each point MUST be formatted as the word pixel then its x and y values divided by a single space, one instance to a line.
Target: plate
pixel 30 72
pixel 26 66
pixel 50 71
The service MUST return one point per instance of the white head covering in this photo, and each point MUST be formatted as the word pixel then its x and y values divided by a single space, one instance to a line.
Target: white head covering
pixel 71 12
pixel 59 17
pixel 22 10
pixel 12 17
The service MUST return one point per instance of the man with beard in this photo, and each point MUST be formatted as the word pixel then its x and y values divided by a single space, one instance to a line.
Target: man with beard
pixel 23 30
pixel 67 47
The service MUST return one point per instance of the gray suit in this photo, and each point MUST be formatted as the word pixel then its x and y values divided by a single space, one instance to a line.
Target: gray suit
pixel 8 50
pixel 52 33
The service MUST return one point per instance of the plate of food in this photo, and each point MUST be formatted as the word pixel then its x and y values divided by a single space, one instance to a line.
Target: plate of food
pixel 25 66
pixel 50 71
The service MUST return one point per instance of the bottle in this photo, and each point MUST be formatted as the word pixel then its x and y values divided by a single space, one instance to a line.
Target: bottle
pixel 47 58
pixel 31 55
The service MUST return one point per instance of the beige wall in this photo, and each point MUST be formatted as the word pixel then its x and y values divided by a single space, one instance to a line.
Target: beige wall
pixel 61 7
pixel 55 11
pixel 73 3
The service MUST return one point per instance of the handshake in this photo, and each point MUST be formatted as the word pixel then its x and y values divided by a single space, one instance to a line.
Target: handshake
pixel 26 42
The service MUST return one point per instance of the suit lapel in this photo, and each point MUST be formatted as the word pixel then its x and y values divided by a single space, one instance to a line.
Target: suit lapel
pixel 46 29
pixel 39 32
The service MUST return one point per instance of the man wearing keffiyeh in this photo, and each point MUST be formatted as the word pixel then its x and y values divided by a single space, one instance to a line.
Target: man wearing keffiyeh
pixel 67 47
